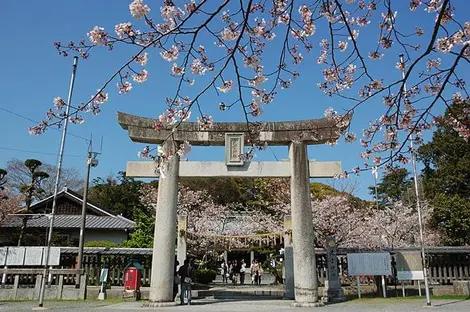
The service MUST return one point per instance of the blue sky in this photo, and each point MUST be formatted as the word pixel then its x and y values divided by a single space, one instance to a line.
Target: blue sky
pixel 32 74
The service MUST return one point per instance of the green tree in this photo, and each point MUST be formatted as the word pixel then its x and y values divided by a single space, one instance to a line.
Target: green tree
pixel 121 195
pixel 3 180
pixel 395 186
pixel 224 190
pixel 32 190
pixel 143 234
pixel 19 175
pixel 446 177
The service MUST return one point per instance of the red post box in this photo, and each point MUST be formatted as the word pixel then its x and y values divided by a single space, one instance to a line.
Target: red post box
pixel 132 275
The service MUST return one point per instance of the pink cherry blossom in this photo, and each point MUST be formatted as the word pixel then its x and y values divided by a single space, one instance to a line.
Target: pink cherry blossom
pixel 140 77
pixel 230 33
pixel 123 30
pixel 145 153
pixel 138 9
pixel 226 86
pixel 343 45
pixel 198 68
pixel 170 54
pixel 98 36
pixel 124 87
pixel 445 44
pixel 59 103
pixel 176 70
pixel 100 98
pixel 258 80
pixel 142 59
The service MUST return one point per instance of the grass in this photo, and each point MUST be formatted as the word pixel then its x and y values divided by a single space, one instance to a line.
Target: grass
pixel 442 297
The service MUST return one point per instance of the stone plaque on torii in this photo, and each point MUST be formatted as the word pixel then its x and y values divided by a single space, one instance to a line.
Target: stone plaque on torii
pixel 294 134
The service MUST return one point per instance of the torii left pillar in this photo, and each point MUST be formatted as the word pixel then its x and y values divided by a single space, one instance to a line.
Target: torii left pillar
pixel 163 259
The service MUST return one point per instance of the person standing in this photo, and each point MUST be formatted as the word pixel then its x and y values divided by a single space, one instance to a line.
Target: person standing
pixel 230 270
pixel 224 272
pixel 176 280
pixel 252 271
pixel 255 272
pixel 236 272
pixel 242 272
pixel 186 272
pixel 260 273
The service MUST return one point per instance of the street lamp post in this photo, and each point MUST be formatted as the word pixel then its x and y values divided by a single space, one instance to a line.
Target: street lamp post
pixel 56 188
pixel 418 204
pixel 91 162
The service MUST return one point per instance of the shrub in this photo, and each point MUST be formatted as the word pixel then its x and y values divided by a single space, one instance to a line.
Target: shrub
pixel 205 276
pixel 108 244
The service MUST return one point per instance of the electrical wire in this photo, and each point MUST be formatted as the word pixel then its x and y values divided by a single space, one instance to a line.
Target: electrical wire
pixel 274 154
pixel 36 152
pixel 36 122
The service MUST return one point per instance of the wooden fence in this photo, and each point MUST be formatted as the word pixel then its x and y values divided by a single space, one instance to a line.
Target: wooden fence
pixel 445 264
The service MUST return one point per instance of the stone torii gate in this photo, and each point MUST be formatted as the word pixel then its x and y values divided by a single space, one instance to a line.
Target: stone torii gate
pixel 294 134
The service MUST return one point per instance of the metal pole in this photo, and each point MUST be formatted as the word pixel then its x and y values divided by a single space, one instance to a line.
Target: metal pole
pixel 83 219
pixel 57 180
pixel 418 206
pixel 420 221
pixel 375 173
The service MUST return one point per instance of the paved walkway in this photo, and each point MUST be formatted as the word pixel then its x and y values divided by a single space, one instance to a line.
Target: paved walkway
pixel 385 305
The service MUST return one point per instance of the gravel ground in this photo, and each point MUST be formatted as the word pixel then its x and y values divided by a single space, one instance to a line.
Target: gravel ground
pixel 365 305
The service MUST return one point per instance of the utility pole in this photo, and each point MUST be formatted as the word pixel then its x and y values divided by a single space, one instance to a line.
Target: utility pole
pixel 91 162
pixel 57 180
pixel 418 204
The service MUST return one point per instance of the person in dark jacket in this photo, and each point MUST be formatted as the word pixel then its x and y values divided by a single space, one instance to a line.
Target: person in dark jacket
pixel 175 282
pixel 186 273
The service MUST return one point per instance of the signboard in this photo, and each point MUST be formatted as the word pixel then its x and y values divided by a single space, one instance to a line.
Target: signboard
pixel 33 256
pixel 104 275
pixel 374 263
pixel 54 258
pixel 15 256
pixel 409 266
pixel 234 148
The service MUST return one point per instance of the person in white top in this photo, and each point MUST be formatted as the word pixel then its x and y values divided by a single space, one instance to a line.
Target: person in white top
pixel 224 272
pixel 242 272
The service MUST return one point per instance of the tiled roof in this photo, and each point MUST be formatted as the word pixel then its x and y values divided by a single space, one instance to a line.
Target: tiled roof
pixel 69 222
pixel 73 196
pixel 108 251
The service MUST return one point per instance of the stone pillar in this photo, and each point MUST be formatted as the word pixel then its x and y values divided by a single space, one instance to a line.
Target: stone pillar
pixel 163 260
pixel 252 256
pixel 305 269
pixel 226 256
pixel 332 292
pixel 182 239
pixel 288 259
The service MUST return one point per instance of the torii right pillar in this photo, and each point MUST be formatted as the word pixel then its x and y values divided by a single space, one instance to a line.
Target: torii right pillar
pixel 305 269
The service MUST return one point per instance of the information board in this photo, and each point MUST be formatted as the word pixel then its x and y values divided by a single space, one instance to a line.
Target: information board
pixel 373 263
pixel 15 256
pixel 3 256
pixel 409 266
pixel 33 256
pixel 54 258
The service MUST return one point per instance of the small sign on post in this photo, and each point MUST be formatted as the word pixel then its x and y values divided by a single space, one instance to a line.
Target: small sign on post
pixel 103 280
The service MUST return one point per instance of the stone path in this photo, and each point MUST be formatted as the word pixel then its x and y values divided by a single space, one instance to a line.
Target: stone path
pixel 385 305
